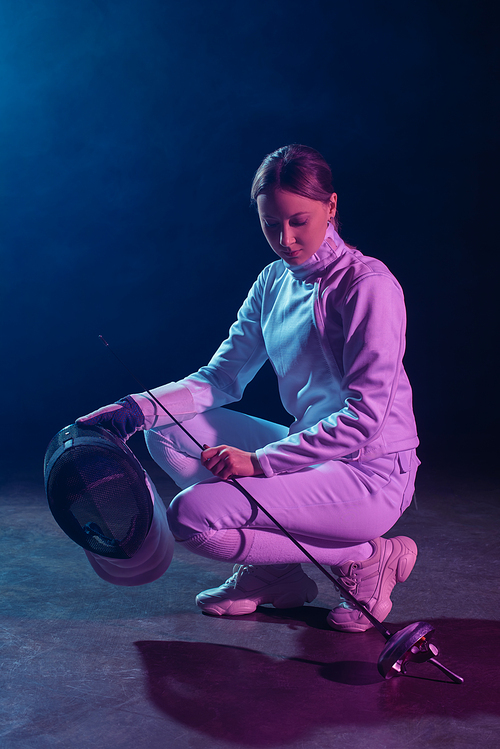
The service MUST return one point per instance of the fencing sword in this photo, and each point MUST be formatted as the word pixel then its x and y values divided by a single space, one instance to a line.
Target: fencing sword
pixel 410 644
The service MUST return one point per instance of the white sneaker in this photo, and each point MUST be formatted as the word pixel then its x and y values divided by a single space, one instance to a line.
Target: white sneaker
pixel 285 586
pixel 371 582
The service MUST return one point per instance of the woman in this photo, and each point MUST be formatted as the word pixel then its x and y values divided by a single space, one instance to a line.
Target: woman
pixel 332 323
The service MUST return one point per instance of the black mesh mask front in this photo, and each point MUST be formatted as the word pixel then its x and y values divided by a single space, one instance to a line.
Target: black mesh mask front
pixel 97 491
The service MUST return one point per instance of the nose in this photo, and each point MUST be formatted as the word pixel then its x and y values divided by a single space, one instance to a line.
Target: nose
pixel 286 236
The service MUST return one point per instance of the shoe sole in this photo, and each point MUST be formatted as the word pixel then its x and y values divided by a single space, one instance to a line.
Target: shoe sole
pixel 243 606
pixel 381 610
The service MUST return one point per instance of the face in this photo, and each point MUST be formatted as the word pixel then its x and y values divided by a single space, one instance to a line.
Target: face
pixel 293 225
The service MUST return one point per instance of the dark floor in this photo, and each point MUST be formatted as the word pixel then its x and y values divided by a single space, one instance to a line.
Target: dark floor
pixel 89 665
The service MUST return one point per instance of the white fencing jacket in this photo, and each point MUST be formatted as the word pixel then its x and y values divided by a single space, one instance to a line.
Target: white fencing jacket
pixel 334 332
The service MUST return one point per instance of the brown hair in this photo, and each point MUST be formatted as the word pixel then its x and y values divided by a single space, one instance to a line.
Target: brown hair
pixel 295 168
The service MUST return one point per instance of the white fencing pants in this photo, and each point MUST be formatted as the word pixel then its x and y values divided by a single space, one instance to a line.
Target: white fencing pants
pixel 332 508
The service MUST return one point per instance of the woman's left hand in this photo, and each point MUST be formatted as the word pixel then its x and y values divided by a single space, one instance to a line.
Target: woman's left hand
pixel 226 462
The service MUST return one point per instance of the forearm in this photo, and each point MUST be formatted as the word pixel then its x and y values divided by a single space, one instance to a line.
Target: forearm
pixel 174 397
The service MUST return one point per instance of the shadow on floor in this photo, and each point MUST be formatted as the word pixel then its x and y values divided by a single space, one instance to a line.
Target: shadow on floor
pixel 242 695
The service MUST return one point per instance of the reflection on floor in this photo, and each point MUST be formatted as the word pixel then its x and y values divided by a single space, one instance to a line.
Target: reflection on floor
pixel 86 664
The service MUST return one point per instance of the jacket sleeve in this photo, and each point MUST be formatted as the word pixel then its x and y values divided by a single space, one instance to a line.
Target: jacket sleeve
pixel 224 378
pixel 373 321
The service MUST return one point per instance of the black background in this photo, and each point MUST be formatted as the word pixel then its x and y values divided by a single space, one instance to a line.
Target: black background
pixel 130 132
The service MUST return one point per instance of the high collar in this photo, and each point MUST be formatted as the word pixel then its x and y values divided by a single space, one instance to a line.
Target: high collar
pixel 328 251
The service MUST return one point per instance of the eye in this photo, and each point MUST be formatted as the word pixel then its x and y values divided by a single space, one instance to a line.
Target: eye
pixel 298 223
pixel 270 225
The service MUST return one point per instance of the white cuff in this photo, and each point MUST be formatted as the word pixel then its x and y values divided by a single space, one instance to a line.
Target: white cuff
pixel 175 397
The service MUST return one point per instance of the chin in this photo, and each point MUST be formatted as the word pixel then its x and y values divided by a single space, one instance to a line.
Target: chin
pixel 294 258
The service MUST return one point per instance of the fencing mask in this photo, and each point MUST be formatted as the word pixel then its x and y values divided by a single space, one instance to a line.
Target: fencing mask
pixel 101 497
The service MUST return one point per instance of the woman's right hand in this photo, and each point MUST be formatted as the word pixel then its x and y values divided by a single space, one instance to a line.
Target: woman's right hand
pixel 122 418
pixel 227 462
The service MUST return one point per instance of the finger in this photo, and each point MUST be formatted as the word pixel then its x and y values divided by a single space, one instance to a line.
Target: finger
pixel 226 474
pixel 221 471
pixel 105 411
pixel 211 463
pixel 209 460
pixel 219 463
pixel 225 467
pixel 212 455
pixel 210 452
pixel 219 466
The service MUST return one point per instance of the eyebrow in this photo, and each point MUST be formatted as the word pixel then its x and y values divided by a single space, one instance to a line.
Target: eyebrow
pixel 300 213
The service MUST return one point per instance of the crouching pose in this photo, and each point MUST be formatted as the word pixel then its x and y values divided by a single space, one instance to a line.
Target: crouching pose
pixel 332 323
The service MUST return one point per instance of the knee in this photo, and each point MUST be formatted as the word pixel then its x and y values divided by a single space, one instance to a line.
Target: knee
pixel 153 443
pixel 184 517
pixel 180 462
pixel 173 519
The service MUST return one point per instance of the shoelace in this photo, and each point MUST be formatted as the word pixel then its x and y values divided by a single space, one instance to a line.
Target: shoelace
pixel 351 585
pixel 236 576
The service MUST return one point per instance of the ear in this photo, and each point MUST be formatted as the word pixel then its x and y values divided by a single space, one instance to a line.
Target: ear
pixel 332 205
